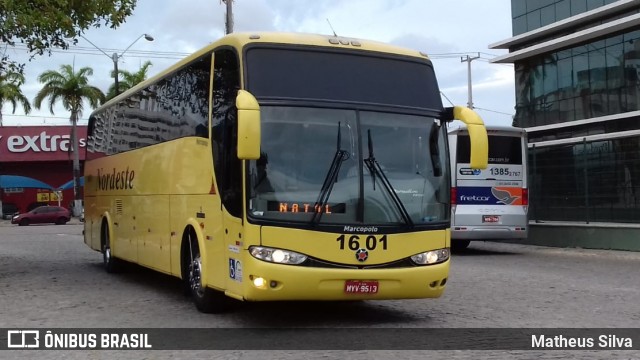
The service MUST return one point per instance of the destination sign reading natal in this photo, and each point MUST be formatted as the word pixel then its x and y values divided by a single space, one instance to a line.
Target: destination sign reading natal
pixel 39 143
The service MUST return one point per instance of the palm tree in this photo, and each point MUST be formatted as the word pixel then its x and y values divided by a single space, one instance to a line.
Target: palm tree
pixel 129 79
pixel 10 83
pixel 72 89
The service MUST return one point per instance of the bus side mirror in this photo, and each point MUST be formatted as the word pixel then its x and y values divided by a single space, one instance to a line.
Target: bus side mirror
pixel 477 134
pixel 248 126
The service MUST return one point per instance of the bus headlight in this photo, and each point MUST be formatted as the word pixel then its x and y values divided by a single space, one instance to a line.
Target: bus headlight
pixel 431 257
pixel 277 255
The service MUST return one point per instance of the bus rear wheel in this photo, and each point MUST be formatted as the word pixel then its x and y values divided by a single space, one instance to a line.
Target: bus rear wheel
pixel 111 264
pixel 207 300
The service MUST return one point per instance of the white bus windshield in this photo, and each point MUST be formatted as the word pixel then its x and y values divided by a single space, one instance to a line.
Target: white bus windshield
pixel 501 183
pixel 502 150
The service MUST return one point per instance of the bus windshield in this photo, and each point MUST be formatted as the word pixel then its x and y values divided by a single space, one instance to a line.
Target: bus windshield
pixel 301 147
pixel 502 150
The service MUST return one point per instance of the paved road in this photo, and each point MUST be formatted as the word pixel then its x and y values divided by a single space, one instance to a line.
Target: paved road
pixel 50 279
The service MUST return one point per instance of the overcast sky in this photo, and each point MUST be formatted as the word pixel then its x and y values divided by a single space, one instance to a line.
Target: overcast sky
pixel 443 29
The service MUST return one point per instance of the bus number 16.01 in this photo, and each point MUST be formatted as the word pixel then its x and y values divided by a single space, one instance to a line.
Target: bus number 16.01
pixel 354 242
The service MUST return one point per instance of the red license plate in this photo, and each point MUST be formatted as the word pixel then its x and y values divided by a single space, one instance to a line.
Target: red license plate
pixel 361 287
pixel 490 218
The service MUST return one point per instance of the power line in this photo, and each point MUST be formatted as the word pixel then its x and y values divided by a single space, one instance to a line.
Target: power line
pixel 489 61
pixel 79 50
pixel 446 97
pixel 494 111
pixel 477 108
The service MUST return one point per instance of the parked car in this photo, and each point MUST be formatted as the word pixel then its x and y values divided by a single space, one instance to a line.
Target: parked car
pixel 42 215
pixel 9 210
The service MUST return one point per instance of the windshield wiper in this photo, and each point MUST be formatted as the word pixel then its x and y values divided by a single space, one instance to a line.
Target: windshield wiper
pixel 374 168
pixel 330 179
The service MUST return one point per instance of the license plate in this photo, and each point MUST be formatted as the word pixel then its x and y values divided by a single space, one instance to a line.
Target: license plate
pixel 360 287
pixel 490 218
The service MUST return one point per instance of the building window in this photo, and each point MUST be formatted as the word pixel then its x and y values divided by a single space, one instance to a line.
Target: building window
pixel 592 181
pixel 599 78
pixel 528 15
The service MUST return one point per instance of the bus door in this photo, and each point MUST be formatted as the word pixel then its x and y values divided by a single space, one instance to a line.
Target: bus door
pixel 228 167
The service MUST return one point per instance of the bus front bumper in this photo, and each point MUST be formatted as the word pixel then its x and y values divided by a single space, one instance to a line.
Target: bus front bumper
pixel 290 282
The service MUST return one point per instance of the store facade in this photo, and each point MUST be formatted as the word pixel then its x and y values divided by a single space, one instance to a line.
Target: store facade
pixel 42 153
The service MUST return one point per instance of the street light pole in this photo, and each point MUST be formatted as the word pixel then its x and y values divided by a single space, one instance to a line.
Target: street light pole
pixel 116 83
pixel 229 16
pixel 115 57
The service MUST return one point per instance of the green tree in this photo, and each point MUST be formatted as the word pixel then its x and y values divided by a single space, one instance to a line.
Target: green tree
pixel 71 89
pixel 128 79
pixel 42 25
pixel 10 92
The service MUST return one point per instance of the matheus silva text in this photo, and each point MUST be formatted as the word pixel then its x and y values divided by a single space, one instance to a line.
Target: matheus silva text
pixel 601 342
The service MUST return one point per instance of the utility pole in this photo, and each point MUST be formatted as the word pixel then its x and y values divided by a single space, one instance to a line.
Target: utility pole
pixel 229 16
pixel 468 59
pixel 77 200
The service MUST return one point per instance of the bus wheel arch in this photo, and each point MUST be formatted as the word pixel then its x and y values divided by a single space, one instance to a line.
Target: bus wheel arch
pixel 206 299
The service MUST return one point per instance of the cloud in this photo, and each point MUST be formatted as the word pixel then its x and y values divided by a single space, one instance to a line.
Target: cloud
pixel 428 45
pixel 434 27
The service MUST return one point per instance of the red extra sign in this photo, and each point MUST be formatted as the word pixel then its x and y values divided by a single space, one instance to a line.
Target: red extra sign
pixel 39 143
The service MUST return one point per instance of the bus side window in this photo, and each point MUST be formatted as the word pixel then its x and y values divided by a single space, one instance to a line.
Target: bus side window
pixel 228 168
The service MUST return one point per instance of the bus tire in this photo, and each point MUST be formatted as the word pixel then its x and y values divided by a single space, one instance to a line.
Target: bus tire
pixel 111 264
pixel 458 245
pixel 207 300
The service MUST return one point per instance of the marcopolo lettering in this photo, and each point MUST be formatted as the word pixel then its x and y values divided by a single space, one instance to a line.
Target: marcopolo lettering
pixel 360 229
pixel 116 180
pixel 40 143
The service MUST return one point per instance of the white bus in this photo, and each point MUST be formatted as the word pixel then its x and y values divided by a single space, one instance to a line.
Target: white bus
pixel 489 204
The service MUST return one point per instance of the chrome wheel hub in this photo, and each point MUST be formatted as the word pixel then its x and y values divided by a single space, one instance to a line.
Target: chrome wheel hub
pixel 195 276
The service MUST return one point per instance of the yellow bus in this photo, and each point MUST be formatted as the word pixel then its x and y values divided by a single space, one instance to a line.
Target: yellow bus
pixel 274 166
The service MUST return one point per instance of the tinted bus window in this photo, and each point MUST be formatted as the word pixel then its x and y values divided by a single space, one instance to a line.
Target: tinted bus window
pixel 502 150
pixel 285 73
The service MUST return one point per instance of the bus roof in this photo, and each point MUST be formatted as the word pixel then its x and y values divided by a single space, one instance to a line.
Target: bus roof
pixel 242 39
pixel 239 40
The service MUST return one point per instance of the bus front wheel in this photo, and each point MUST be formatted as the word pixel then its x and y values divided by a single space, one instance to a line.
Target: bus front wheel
pixel 207 300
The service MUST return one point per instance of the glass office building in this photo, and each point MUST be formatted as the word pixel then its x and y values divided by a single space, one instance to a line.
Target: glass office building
pixel 577 83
